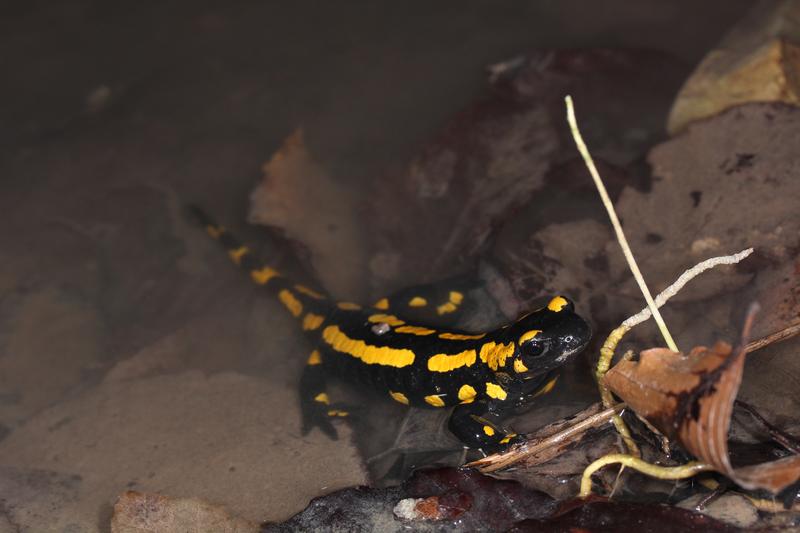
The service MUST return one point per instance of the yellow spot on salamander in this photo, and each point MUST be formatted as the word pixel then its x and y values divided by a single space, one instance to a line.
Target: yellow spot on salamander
pixel 445 308
pixel 417 301
pixel 434 400
pixel 388 319
pixel 371 355
pixel 308 292
pixel 528 335
pixel 448 307
pixel 445 362
pixel 292 304
pixel 495 355
pixel 237 254
pixel 507 438
pixel 489 430
pixel 461 336
pixel 493 390
pixel 519 366
pixel 547 387
pixel 337 412
pixel 382 304
pixel 215 231
pixel 348 306
pixel 399 397
pixel 262 276
pixel 314 358
pixel 415 330
pixel 322 398
pixel 557 304
pixel 466 394
pixel 312 321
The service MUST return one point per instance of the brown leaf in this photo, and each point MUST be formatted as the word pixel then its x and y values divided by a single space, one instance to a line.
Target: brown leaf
pixel 301 198
pixel 138 512
pixel 755 62
pixel 690 398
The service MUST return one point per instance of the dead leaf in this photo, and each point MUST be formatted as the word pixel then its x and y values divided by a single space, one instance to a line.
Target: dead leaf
pixel 690 398
pixel 448 506
pixel 139 512
pixel 755 62
pixel 298 196
pixel 597 515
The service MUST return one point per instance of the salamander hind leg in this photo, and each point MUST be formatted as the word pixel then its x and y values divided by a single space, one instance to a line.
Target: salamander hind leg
pixel 477 426
pixel 315 406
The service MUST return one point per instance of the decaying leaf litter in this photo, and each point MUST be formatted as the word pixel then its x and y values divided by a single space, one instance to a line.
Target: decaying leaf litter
pixel 699 247
pixel 650 234
pixel 556 434
pixel 550 441
pixel 688 398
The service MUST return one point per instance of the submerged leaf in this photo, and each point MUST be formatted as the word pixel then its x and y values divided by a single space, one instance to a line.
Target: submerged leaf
pixel 301 198
pixel 591 516
pixel 136 512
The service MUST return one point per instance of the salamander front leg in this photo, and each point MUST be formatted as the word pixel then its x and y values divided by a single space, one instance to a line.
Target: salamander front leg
pixel 315 406
pixel 477 426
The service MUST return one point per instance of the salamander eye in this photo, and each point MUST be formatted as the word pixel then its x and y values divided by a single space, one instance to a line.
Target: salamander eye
pixel 533 349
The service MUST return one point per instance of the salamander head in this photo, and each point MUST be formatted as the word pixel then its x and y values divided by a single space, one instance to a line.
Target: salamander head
pixel 548 338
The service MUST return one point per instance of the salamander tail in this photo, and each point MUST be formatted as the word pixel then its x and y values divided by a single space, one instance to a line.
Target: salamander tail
pixel 238 252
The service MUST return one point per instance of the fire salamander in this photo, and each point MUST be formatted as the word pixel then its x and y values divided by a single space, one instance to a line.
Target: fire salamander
pixel 482 375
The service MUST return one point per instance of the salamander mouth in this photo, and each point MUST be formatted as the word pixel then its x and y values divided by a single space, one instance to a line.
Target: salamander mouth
pixel 564 357
pixel 569 352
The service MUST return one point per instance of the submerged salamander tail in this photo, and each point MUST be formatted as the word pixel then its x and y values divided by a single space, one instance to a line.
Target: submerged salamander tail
pixel 301 302
pixel 239 253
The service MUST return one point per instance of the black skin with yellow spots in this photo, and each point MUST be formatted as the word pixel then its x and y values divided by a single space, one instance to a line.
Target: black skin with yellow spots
pixel 484 376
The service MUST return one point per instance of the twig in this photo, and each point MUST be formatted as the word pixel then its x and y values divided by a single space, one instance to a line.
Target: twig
pixel 682 280
pixel 712 496
pixel 762 504
pixel 786 333
pixel 623 242
pixel 777 434
pixel 539 443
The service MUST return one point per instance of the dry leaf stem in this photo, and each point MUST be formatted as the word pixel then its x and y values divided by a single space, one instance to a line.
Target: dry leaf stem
pixel 623 241
pixel 779 336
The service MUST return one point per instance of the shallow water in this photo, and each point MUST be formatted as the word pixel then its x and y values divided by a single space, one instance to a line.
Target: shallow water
pixel 133 356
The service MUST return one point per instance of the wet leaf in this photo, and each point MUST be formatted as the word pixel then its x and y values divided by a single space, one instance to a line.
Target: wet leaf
pixel 448 506
pixel 136 512
pixel 690 398
pixel 442 499
pixel 607 516
pixel 299 196
pixel 755 62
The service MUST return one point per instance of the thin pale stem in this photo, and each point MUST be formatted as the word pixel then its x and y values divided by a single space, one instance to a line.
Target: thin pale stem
pixel 656 471
pixel 623 241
